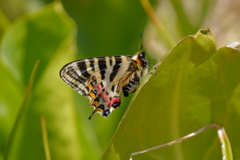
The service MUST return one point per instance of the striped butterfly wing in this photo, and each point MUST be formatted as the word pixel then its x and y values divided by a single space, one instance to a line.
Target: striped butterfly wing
pixel 99 79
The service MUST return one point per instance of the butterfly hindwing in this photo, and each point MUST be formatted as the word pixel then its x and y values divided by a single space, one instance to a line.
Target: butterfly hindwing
pixel 98 79
pixel 102 79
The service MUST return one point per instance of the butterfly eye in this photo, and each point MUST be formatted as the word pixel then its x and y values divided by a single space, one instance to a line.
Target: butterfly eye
pixel 141 55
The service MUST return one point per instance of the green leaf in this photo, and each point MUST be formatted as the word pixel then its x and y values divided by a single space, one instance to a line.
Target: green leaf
pixel 32 35
pixel 194 86
pixel 21 113
pixel 47 35
pixel 11 96
pixel 4 21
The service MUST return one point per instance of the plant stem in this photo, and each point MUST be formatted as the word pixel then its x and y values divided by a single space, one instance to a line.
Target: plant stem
pixel 169 41
pixel 45 139
pixel 21 112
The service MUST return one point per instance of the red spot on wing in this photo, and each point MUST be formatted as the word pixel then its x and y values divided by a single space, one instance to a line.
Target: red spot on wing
pixel 99 87
pixel 114 100
pixel 101 93
pixel 105 97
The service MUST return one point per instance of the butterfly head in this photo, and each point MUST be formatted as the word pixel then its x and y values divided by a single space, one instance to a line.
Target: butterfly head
pixel 140 59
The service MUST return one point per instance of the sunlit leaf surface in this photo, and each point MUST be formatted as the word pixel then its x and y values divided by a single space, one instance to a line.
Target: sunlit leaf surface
pixel 46 36
pixel 195 85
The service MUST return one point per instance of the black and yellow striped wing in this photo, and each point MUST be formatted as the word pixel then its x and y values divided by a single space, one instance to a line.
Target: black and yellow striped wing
pixel 102 79
pixel 97 78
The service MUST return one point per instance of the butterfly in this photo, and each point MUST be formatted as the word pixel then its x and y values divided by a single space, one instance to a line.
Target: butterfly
pixel 103 79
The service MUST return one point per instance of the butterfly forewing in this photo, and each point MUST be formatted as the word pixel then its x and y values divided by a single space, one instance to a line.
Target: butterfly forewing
pixel 102 79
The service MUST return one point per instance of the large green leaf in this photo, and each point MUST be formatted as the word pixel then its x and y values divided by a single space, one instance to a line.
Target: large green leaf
pixel 32 35
pixel 11 96
pixel 47 35
pixel 194 86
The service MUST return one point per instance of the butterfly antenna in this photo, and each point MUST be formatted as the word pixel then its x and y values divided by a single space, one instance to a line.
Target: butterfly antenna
pixel 153 59
pixel 140 41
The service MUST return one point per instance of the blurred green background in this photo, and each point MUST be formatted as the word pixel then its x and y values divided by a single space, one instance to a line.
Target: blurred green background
pixel 57 32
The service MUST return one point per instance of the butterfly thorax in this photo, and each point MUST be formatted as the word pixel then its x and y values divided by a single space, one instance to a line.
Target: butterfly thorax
pixel 137 70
